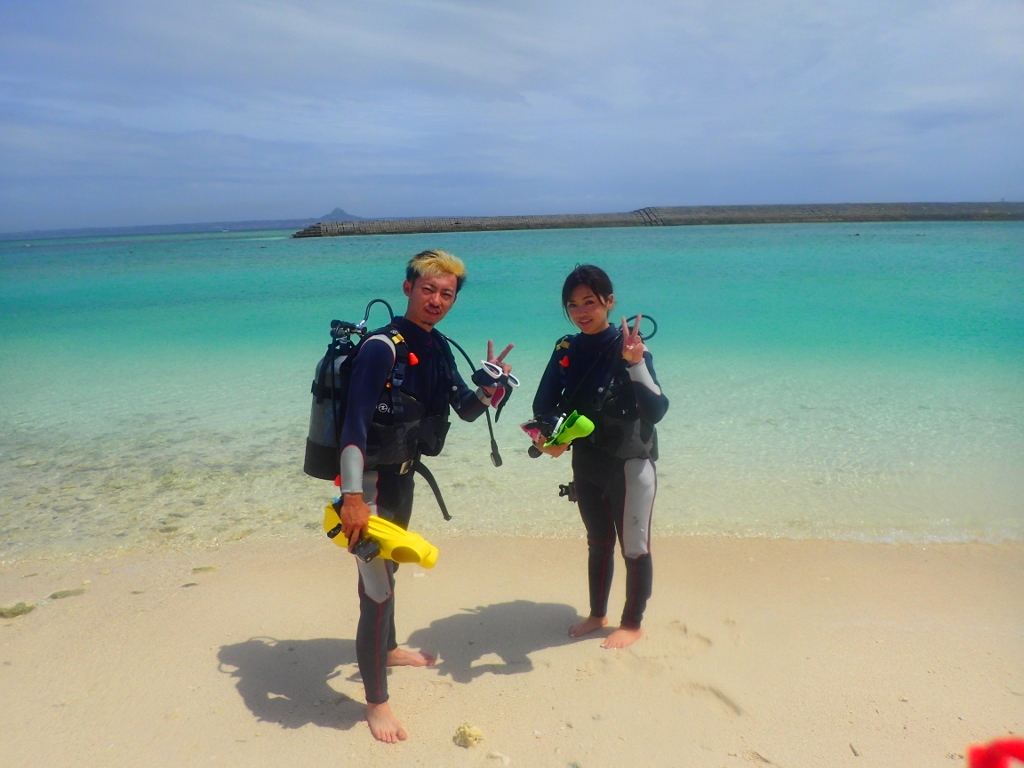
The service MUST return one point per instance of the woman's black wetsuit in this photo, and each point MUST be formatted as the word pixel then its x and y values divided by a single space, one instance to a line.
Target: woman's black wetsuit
pixel 613 468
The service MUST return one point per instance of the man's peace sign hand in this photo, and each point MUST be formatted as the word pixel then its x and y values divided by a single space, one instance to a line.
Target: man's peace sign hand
pixel 492 359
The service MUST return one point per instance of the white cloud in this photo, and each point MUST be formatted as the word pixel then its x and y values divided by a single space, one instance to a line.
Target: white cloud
pixel 502 107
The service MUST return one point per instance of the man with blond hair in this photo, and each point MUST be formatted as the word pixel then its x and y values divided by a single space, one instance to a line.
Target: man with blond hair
pixel 389 422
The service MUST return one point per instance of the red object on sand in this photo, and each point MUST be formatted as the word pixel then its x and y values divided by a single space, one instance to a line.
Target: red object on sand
pixel 1002 753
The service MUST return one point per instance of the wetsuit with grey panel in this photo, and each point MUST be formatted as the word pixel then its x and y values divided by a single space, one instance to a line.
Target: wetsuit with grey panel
pixel 613 468
pixel 433 385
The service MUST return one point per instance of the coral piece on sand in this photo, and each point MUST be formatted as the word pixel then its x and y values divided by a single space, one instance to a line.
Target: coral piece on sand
pixel 467 735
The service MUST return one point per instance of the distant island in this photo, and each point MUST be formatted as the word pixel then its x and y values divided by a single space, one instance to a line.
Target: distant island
pixel 340 223
pixel 336 215
pixel 679 216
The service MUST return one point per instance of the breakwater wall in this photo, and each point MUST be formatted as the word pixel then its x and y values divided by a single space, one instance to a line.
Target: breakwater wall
pixel 680 216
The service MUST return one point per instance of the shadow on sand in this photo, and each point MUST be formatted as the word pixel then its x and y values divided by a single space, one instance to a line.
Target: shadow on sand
pixel 510 631
pixel 285 681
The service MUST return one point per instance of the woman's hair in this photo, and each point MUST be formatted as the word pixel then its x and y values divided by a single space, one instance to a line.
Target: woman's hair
pixel 595 278
pixel 436 262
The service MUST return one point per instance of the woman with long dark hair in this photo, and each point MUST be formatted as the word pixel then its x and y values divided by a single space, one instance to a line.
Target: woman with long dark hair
pixel 606 373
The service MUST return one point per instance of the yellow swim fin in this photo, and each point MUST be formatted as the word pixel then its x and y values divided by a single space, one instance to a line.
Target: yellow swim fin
pixel 395 543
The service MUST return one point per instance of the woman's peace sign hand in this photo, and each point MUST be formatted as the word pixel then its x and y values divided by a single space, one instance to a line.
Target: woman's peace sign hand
pixel 632 344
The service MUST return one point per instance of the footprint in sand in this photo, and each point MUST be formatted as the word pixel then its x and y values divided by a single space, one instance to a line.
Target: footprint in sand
pixel 732 628
pixel 600 665
pixel 693 643
pixel 713 696
pixel 629 664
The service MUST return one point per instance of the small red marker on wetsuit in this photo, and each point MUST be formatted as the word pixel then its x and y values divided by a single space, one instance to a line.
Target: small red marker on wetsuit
pixel 564 362
pixel 413 360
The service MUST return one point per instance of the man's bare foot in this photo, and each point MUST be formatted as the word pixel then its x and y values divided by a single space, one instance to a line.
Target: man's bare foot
pixel 403 658
pixel 588 625
pixel 384 725
pixel 623 637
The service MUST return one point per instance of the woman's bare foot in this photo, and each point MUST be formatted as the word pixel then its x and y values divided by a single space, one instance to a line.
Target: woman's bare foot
pixel 403 658
pixel 623 637
pixel 384 725
pixel 588 625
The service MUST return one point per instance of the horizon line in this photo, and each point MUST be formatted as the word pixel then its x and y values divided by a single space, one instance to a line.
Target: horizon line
pixel 648 216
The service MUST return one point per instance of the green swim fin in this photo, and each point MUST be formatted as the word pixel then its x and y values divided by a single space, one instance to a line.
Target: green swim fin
pixel 575 425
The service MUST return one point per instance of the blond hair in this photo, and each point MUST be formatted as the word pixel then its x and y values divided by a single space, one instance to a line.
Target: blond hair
pixel 436 262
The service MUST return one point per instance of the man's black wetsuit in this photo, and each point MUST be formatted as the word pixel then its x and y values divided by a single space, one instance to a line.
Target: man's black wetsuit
pixel 435 382
pixel 613 468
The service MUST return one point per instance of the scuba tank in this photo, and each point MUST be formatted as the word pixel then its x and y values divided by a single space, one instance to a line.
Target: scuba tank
pixel 330 395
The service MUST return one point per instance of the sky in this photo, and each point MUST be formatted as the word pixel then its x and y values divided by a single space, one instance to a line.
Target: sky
pixel 122 112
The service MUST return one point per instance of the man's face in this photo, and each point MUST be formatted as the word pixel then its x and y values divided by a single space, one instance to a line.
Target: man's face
pixel 430 298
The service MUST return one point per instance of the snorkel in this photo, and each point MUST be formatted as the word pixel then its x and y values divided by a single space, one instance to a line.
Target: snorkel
pixel 495 455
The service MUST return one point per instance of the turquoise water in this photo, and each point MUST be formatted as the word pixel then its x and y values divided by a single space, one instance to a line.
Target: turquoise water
pixel 857 382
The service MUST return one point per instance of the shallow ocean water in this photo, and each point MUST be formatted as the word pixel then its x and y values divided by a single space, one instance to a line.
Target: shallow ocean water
pixel 845 381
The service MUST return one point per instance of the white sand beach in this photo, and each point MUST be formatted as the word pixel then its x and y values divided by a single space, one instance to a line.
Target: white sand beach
pixel 757 652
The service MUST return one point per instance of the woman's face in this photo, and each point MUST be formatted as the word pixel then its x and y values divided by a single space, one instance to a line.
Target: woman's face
pixel 587 311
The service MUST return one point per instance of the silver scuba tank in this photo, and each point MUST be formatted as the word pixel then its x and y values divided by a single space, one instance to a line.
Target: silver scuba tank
pixel 327 412
pixel 330 396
